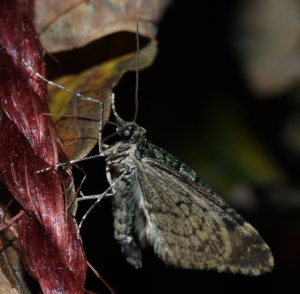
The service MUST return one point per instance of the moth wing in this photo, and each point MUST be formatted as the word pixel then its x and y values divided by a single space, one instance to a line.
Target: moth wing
pixel 190 226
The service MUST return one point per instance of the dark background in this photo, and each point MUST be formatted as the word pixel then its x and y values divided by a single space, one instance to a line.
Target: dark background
pixel 194 88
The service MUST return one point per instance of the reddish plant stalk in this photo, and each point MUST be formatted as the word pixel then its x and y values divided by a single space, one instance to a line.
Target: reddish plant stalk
pixel 51 249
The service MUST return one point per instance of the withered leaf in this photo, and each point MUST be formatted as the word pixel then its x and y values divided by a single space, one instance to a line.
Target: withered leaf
pixel 12 273
pixel 78 133
pixel 65 25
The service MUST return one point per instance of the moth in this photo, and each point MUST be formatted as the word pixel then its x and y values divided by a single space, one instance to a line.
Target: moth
pixel 160 201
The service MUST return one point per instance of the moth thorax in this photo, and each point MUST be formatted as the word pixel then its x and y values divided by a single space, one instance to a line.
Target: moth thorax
pixel 123 159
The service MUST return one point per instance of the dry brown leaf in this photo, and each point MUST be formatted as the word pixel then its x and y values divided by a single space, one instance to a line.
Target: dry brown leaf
pixel 79 134
pixel 5 287
pixel 12 273
pixel 65 25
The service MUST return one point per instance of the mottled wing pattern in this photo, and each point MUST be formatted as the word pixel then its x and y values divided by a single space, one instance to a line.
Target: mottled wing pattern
pixel 190 226
pixel 124 209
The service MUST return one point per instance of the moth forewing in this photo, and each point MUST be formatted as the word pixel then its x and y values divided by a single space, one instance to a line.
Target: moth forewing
pixel 189 226
pixel 189 229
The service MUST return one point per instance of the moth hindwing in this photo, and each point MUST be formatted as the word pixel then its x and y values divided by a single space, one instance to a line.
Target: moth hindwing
pixel 160 201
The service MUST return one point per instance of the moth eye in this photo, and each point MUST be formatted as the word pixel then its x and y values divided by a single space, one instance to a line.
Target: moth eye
pixel 126 133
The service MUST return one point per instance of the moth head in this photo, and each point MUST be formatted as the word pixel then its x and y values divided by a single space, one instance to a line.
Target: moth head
pixel 130 131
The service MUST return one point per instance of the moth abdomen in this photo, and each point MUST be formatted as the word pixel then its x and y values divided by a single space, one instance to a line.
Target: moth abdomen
pixel 131 251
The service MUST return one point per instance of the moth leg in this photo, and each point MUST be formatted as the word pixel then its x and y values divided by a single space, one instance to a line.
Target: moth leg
pixel 99 197
pixel 100 126
pixel 95 196
pixel 79 96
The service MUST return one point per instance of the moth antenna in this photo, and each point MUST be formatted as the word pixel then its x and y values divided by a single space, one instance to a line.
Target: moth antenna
pixel 137 67
pixel 113 107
